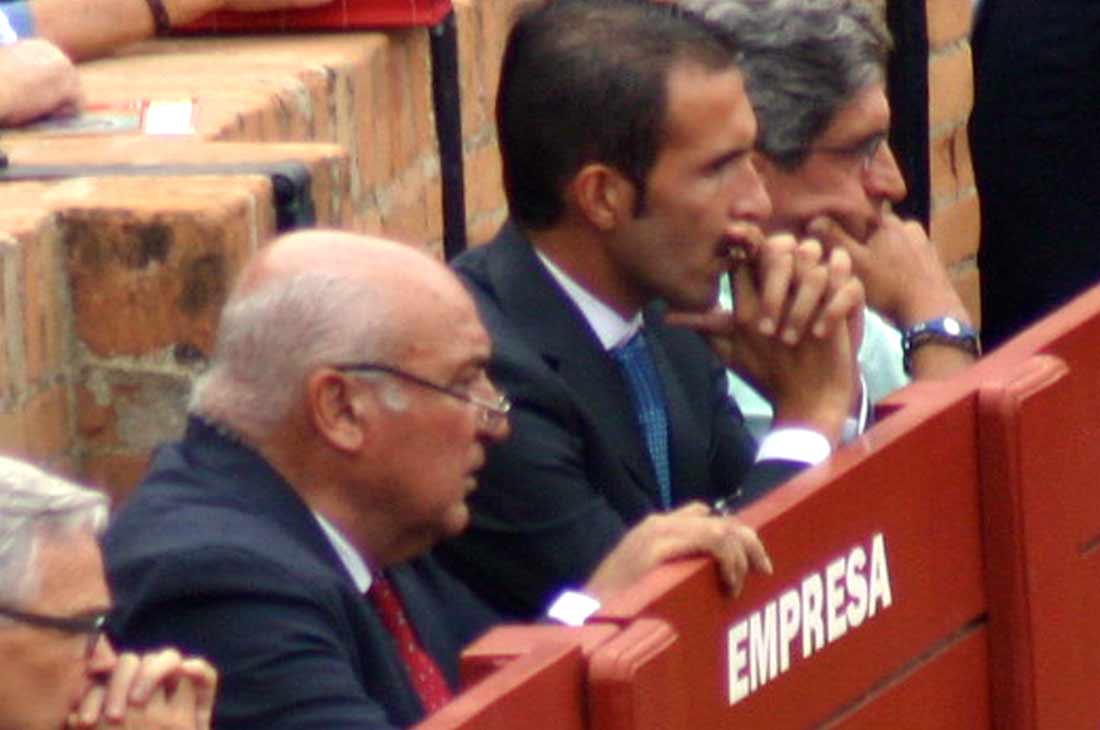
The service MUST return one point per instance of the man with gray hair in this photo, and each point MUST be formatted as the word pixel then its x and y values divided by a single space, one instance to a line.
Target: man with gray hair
pixel 333 441
pixel 59 670
pixel 815 72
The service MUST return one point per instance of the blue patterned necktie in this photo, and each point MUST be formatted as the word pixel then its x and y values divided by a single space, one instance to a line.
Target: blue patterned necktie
pixel 648 396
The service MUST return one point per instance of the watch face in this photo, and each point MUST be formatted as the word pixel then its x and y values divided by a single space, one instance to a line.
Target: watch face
pixel 951 326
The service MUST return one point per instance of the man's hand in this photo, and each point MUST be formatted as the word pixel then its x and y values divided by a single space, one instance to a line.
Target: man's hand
pixel 689 531
pixel 156 691
pixel 794 332
pixel 39 79
pixel 905 280
pixel 900 269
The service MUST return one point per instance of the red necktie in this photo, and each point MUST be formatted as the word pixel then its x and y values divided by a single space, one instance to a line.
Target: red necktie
pixel 427 679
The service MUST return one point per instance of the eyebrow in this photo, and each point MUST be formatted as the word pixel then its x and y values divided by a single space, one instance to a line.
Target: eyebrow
pixel 727 157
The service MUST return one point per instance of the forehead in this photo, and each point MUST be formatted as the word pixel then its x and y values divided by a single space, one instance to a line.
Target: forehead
pixel 447 329
pixel 70 572
pixel 867 113
pixel 707 112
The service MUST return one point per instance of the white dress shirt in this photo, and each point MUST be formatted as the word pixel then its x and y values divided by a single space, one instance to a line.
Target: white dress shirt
pixel 790 444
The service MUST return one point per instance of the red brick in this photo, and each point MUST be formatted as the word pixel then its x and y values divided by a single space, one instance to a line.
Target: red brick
pixel 46 429
pixel 328 164
pixel 948 21
pixel 484 189
pixel 44 312
pixel 95 420
pixel 404 215
pixel 951 167
pixel 433 209
pixel 12 435
pixel 951 87
pixel 476 97
pixel 484 227
pixel 132 408
pixel 155 274
pixel 11 357
pixel 956 228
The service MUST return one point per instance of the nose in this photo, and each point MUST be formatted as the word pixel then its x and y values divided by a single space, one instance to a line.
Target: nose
pixel 494 426
pixel 883 179
pixel 103 658
pixel 749 200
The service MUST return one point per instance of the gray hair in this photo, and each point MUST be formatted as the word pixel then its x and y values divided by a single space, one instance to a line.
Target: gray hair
pixel 36 505
pixel 270 339
pixel 803 60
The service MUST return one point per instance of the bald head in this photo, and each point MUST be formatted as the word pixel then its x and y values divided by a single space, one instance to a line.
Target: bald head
pixel 314 298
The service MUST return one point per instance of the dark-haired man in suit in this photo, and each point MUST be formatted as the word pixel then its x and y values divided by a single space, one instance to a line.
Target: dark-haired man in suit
pixel 627 143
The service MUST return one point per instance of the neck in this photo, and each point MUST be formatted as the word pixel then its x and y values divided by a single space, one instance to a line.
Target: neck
pixel 586 256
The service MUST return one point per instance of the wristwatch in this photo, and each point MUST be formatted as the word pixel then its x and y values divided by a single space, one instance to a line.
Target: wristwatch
pixel 942 331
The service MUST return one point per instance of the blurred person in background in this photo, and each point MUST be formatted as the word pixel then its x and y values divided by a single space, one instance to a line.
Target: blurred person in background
pixel 59 670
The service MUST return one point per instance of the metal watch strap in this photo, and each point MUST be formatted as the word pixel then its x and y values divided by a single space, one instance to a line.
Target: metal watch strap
pixel 941 331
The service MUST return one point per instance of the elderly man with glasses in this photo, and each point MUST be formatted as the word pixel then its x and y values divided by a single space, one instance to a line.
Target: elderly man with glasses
pixel 815 72
pixel 59 670
pixel 333 441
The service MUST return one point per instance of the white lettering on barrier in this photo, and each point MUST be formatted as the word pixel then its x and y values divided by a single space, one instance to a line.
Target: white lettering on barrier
pixel 822 608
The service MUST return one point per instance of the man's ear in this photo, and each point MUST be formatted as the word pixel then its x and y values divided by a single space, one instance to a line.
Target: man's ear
pixel 337 410
pixel 603 195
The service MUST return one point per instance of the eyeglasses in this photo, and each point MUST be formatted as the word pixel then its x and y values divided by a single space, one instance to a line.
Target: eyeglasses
pixel 90 624
pixel 490 410
pixel 864 151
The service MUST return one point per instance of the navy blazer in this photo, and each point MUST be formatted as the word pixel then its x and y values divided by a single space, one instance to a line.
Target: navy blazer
pixel 558 495
pixel 217 555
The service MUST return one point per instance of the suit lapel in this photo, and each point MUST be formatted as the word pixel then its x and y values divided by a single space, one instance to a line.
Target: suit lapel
pixel 555 328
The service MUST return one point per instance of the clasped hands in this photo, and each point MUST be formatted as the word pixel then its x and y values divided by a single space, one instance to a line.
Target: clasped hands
pixel 161 690
pixel 795 328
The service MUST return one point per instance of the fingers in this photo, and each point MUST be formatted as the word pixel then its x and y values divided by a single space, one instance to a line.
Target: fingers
pixel 846 295
pixel 91 706
pixel 735 546
pixel 156 669
pixel 118 687
pixel 812 279
pixel 204 680
pixel 775 270
pixel 737 549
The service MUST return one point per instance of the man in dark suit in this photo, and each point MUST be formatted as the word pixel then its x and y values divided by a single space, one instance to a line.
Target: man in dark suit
pixel 333 441
pixel 627 138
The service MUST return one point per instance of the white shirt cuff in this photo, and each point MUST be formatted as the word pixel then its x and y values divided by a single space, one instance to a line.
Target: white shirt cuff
pixel 7 33
pixel 794 444
pixel 573 608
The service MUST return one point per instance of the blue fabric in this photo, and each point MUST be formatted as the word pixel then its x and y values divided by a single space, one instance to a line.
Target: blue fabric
pixel 20 18
pixel 649 406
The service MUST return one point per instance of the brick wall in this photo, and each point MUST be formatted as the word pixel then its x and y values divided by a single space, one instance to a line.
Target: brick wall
pixel 110 286
pixel 955 218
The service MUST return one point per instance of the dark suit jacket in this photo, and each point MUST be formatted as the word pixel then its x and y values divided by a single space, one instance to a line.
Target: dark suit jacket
pixel 217 555
pixel 1035 140
pixel 575 475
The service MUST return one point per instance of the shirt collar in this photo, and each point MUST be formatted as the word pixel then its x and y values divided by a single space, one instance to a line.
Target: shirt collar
pixel 349 556
pixel 611 329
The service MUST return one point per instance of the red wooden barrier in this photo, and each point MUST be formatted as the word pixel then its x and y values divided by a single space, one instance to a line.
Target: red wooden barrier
pixel 524 676
pixel 878 559
pixel 1040 441
pixel 941 572
pixel 636 680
